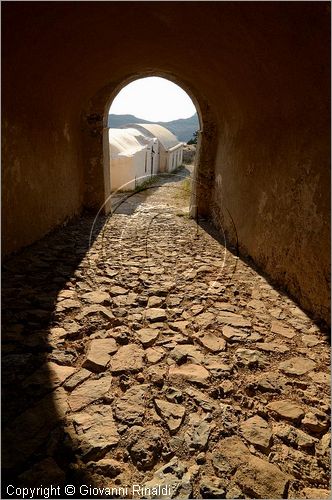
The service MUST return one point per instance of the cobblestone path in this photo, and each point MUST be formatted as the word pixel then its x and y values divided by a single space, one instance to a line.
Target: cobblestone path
pixel 158 358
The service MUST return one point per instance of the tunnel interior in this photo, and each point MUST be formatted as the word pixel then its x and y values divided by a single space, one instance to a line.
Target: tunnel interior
pixel 259 75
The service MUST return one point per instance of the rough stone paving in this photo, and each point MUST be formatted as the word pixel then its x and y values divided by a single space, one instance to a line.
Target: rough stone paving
pixel 157 357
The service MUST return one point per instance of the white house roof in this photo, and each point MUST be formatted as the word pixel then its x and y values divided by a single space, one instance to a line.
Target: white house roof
pixel 141 137
pixel 165 136
pixel 125 142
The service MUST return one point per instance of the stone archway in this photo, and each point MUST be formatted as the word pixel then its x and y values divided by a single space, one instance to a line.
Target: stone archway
pixel 96 149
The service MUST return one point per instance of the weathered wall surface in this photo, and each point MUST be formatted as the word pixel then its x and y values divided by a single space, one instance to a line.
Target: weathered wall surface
pixel 42 177
pixel 272 169
pixel 260 75
pixel 281 209
pixel 39 191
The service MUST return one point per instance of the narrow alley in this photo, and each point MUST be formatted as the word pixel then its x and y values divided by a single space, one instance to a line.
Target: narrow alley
pixel 157 357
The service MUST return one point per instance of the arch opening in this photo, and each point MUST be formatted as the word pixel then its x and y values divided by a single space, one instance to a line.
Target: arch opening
pixel 96 143
pixel 148 121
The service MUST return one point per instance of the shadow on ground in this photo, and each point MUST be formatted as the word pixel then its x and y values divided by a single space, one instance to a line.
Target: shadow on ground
pixel 34 440
pixel 32 415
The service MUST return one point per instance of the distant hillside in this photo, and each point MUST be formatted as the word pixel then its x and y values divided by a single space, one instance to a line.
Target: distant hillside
pixel 182 128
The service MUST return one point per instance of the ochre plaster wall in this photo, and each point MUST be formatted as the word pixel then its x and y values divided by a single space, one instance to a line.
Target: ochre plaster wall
pixel 260 75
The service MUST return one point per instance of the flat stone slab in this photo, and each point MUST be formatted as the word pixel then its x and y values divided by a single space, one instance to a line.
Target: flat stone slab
pixel 297 366
pixel 257 432
pixel 270 382
pixel 173 414
pixel 212 488
pixel 179 326
pixel 118 290
pixel 130 408
pixel 316 421
pixel 320 377
pixel 76 378
pixel 205 319
pixel 202 399
pixel 196 309
pixel 225 306
pixel 295 437
pixel 67 294
pixel 190 372
pixel 211 342
pixel 262 479
pixel 256 304
pixel 95 309
pixel 217 367
pixel 271 347
pixel 250 358
pixel 129 358
pixel 280 329
pixel 316 493
pixel 232 334
pixel 96 297
pixel 96 429
pixel 107 467
pixel 155 301
pixel 99 354
pixel 311 340
pixel 147 336
pixel 256 477
pixel 286 409
pixel 155 314
pixel 232 319
pixel 58 333
pixel 187 352
pixel 67 304
pixel 89 391
pixel 154 354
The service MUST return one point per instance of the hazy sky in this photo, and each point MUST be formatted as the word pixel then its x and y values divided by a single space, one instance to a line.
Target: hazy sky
pixel 154 99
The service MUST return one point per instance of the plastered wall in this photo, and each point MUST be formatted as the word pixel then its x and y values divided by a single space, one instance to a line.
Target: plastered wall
pixel 259 73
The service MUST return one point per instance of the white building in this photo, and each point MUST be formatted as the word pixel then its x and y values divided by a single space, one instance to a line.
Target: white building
pixel 131 158
pixel 170 148
pixel 139 151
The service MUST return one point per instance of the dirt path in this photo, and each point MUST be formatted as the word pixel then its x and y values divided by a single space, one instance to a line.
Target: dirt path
pixel 157 358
